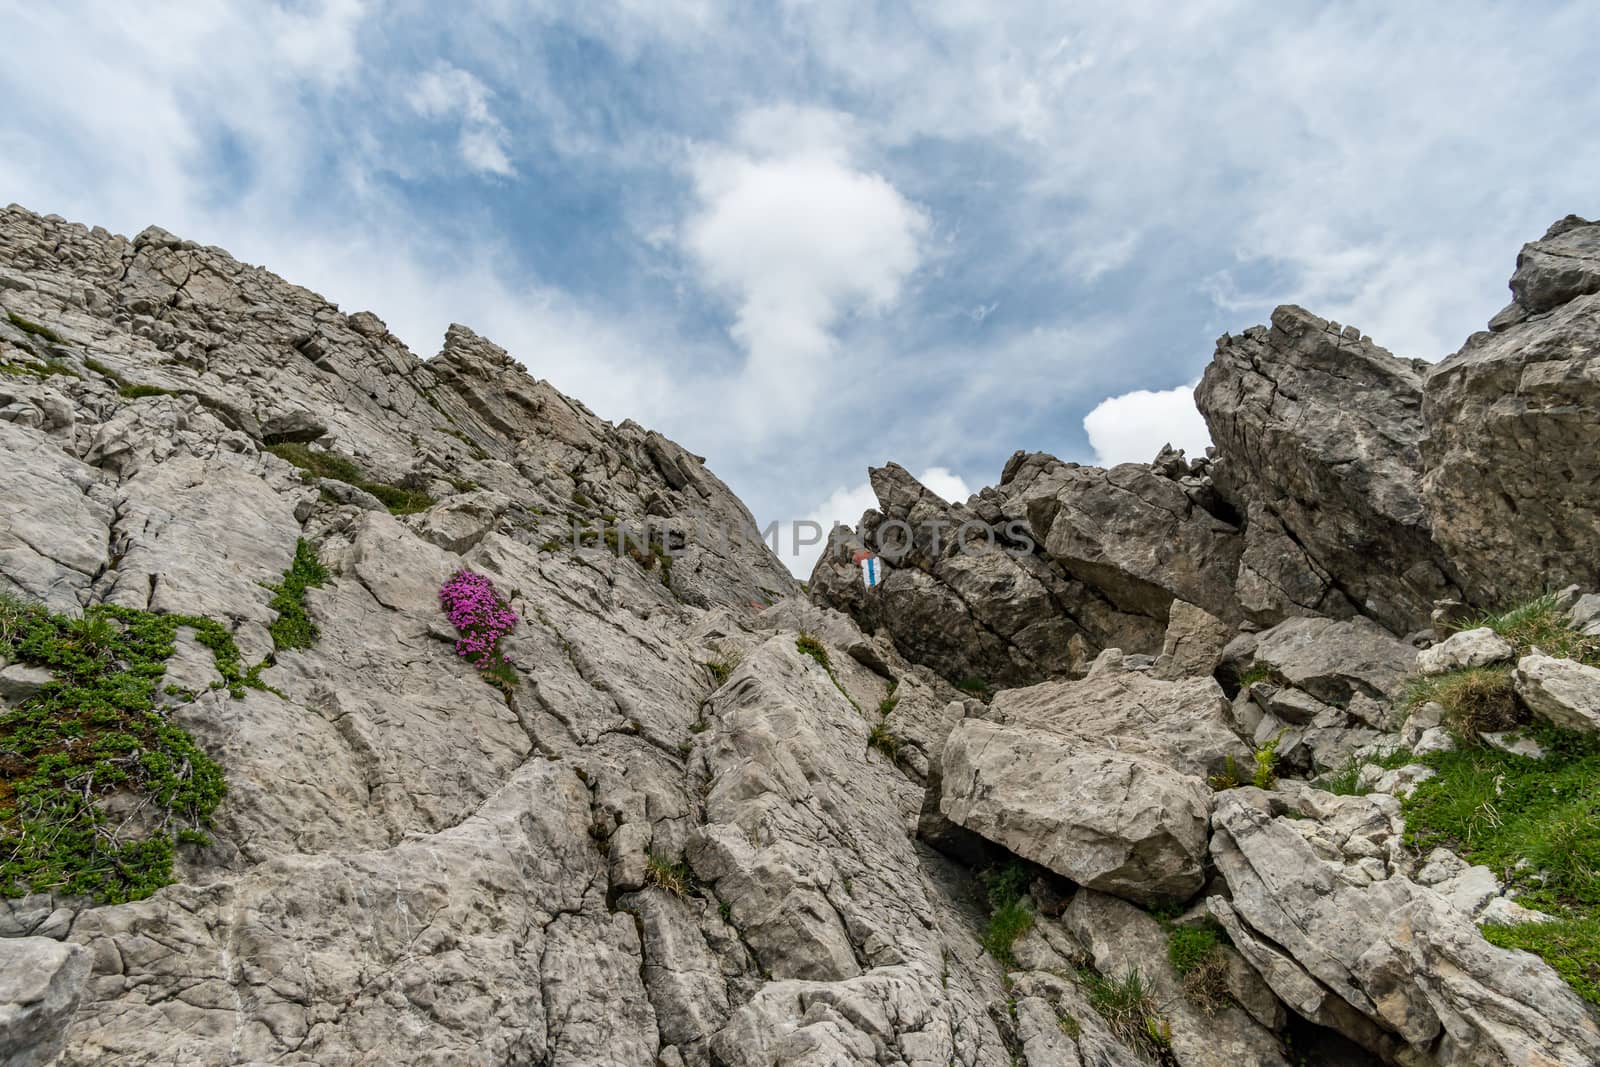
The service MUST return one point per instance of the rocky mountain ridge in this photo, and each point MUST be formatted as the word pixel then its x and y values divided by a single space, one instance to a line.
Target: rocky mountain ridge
pixel 1068 805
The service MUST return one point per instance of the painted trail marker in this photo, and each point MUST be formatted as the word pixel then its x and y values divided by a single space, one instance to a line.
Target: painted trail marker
pixel 871 568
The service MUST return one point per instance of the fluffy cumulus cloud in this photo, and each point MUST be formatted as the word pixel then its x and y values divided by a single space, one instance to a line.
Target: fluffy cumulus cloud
pixel 1132 427
pixel 797 236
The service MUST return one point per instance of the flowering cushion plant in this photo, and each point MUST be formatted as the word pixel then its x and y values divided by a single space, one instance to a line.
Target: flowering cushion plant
pixel 482 619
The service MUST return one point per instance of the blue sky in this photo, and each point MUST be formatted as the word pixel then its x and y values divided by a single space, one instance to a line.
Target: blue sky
pixel 802 238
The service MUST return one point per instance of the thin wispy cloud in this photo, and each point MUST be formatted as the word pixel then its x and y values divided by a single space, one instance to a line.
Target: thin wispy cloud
pixel 806 238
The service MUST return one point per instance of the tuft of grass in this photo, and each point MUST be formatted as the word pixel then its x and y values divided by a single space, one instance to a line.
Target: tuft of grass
pixel 978 687
pixel 293 628
pixel 665 874
pixel 1130 1011
pixel 399 501
pixel 1006 890
pixel 551 545
pixel 1069 1024
pixel 44 333
pixel 1265 773
pixel 1536 824
pixel 1345 782
pixel 1540 624
pixel 808 644
pixel 1258 673
pixel 723 666
pixel 1195 954
pixel 1475 699
pixel 882 738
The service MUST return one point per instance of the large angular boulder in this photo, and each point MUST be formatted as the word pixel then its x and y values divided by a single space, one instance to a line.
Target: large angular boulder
pixel 1513 431
pixel 1319 432
pixel 1562 692
pixel 1111 818
pixel 1319 905
pixel 1185 723
pixel 1331 659
pixel 41 981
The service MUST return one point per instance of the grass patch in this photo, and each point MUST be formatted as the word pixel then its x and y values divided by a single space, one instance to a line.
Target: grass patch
pixel 1195 954
pixel 1006 890
pixel 978 687
pixel 1540 624
pixel 810 646
pixel 882 738
pixel 44 333
pixel 665 874
pixel 1474 699
pixel 344 469
pixel 1256 675
pixel 47 369
pixel 95 733
pixel 1536 824
pixel 293 628
pixel 1129 1009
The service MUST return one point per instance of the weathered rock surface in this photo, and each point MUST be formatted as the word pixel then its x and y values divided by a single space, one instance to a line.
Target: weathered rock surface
pixel 1320 430
pixel 1468 648
pixel 1333 660
pixel 1106 816
pixel 1562 692
pixel 1320 906
pixel 1513 431
pixel 40 983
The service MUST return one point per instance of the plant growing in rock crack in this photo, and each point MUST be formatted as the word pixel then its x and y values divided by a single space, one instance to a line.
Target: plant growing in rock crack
pixel 96 734
pixel 483 620
pixel 1265 773
pixel 293 628
pixel 723 666
pixel 1130 1011
pixel 808 644
pixel 1195 952
pixel 663 873
pixel 1006 891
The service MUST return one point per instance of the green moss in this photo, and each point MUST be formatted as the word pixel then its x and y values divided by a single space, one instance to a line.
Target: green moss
pixel 293 628
pixel 96 731
pixel 134 392
pixel 41 332
pixel 344 469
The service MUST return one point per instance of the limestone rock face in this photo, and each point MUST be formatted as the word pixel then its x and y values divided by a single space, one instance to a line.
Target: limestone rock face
pixel 704 819
pixel 1513 431
pixel 1321 907
pixel 1321 433
pixel 41 982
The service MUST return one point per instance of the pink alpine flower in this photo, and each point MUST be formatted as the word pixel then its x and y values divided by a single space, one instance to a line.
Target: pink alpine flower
pixel 480 617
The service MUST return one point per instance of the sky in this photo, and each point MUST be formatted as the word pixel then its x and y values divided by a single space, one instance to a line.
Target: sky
pixel 804 238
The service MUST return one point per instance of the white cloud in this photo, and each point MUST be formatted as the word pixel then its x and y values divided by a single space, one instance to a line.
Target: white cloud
pixel 798 237
pixel 447 92
pixel 1131 428
pixel 846 506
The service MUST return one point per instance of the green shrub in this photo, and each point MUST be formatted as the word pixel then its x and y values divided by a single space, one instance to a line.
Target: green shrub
pixel 94 730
